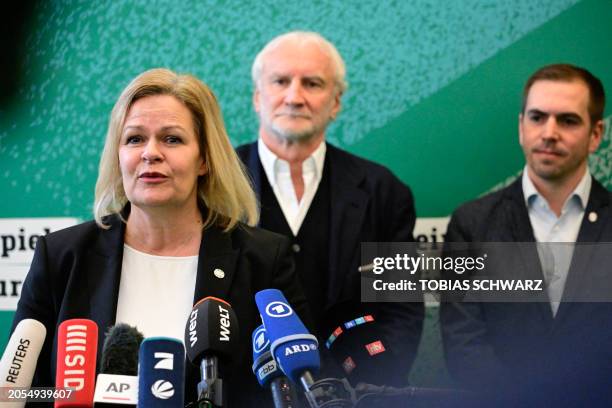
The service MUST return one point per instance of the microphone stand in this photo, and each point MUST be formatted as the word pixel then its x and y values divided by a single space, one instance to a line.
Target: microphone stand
pixel 210 389
pixel 328 392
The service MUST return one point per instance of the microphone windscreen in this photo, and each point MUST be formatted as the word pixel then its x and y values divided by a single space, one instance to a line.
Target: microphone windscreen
pixel 77 345
pixel 120 350
pixel 161 373
pixel 20 356
pixel 356 343
pixel 212 329
pixel 117 383
pixel 292 346
pixel 264 366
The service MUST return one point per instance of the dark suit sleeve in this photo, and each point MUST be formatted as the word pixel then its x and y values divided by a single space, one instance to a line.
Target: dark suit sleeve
pixel 400 214
pixel 470 358
pixel 402 323
pixel 36 302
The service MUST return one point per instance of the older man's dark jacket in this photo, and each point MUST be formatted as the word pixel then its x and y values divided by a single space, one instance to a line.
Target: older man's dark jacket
pixel 367 204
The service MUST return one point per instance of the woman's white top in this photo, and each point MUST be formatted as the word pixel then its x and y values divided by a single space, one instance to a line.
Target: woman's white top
pixel 156 292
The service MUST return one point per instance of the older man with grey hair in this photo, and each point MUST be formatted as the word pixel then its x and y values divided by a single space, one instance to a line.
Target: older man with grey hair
pixel 326 200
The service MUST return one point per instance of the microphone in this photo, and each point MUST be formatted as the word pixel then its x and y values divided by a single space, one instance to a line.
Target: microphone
pixel 356 345
pixel 292 346
pixel 269 374
pixel 77 345
pixel 20 356
pixel 161 373
pixel 117 383
pixel 211 335
pixel 295 351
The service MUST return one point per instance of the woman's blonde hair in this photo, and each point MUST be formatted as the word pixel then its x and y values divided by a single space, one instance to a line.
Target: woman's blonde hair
pixel 224 191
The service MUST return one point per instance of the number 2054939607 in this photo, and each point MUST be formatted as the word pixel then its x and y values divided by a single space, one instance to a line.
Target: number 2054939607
pixel 36 394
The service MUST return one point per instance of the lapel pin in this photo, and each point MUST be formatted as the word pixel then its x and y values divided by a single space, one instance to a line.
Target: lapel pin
pixel 219 273
pixel 592 216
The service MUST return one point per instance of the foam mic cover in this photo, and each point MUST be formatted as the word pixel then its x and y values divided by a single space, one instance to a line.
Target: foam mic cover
pixel 212 330
pixel 77 345
pixel 293 347
pixel 117 383
pixel 20 356
pixel 264 366
pixel 161 373
pixel 120 350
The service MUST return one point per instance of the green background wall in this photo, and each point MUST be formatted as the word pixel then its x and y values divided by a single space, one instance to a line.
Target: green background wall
pixel 434 87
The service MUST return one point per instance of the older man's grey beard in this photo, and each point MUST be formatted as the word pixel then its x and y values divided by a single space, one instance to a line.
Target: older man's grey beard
pixel 303 135
pixel 292 136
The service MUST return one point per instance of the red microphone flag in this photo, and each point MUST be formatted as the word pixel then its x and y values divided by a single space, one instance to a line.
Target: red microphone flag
pixel 77 346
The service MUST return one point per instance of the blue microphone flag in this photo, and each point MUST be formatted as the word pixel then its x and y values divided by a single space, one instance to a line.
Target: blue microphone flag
pixel 291 345
pixel 161 373
pixel 264 366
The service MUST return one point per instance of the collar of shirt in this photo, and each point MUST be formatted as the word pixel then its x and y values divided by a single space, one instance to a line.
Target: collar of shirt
pixel 547 227
pixel 273 165
pixel 580 193
pixel 279 176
